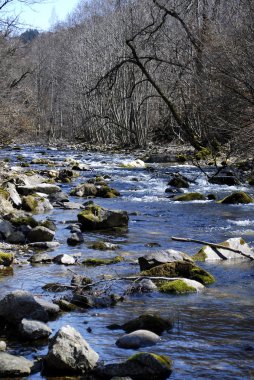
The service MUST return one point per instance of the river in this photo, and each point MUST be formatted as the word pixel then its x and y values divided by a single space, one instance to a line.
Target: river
pixel 213 334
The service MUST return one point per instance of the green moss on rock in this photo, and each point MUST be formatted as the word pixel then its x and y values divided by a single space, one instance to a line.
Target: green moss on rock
pixel 236 198
pixel 162 359
pixel 97 262
pixel 181 269
pixel 188 197
pixel 24 220
pixel 202 154
pixel 29 203
pixel 4 193
pixel 6 259
pixel 176 287
pixel 200 256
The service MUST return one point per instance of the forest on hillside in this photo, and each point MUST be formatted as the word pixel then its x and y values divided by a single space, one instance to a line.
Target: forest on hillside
pixel 128 72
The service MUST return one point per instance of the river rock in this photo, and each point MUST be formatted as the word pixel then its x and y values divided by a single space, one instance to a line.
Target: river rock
pixel 151 322
pixel 143 286
pixel 45 244
pixel 207 253
pixel 81 167
pixel 93 301
pixel 36 204
pixel 64 259
pixel 189 197
pixel 33 330
pixel 17 237
pixel 142 366
pixel 178 181
pixel 71 206
pixel 79 280
pixel 75 238
pixel 95 217
pixel 3 345
pixel 13 194
pixel 51 308
pixel 69 353
pixel 20 304
pixel 137 339
pixel 104 246
pixel 182 269
pixel 84 190
pixel 40 234
pixel 45 188
pixel 6 259
pixel 59 197
pixel 181 286
pixel 40 258
pixel 14 366
pixel 137 164
pixel 161 257
pixel 228 179
pixel 6 228
pixel 237 198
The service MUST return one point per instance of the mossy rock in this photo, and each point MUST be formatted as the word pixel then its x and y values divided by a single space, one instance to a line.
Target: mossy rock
pixel 48 224
pixel 150 322
pixel 98 262
pixel 200 256
pixel 4 193
pixel 188 197
pixel 181 158
pixel 102 246
pixel 6 259
pixel 24 220
pixel 176 287
pixel 239 197
pixel 94 217
pixel 66 306
pixel 181 269
pixel 30 203
pixel 251 181
pixel 107 192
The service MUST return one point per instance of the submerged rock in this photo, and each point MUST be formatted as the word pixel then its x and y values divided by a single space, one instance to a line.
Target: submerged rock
pixel 151 322
pixel 161 257
pixel 208 253
pixel 237 197
pixel 142 366
pixel 95 217
pixel 14 366
pixel 69 353
pixel 137 339
pixel 180 269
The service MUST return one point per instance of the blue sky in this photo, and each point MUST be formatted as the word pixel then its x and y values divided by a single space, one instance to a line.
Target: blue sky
pixel 41 16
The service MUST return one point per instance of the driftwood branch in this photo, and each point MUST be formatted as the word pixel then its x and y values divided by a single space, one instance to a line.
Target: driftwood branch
pixel 212 245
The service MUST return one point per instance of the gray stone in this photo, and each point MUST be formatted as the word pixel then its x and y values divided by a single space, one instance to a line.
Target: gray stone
pixel 17 237
pixel 14 195
pixel 162 257
pixel 64 259
pixel 71 206
pixel 143 286
pixel 69 353
pixel 137 339
pixel 51 308
pixel 44 188
pixel 59 197
pixel 14 366
pixel 81 167
pixel 38 258
pixel 151 322
pixel 45 244
pixel 75 238
pixel 6 228
pixel 33 330
pixel 20 304
pixel 40 234
pixel 84 190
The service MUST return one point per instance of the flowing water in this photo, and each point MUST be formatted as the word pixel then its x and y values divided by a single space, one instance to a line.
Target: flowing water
pixel 213 333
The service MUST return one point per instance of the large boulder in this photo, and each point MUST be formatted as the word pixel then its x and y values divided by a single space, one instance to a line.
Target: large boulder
pixel 69 353
pixel 14 366
pixel 95 217
pixel 161 257
pixel 36 204
pixel 237 197
pixel 208 253
pixel 150 322
pixel 40 234
pixel 182 269
pixel 142 366
pixel 137 339
pixel 20 304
